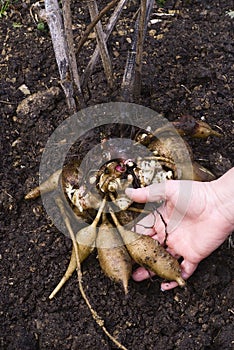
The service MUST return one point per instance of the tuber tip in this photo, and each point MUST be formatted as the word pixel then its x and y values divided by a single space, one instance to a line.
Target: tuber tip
pixel 181 282
pixel 33 194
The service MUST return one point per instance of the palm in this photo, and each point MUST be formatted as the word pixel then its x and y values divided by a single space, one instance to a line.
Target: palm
pixel 194 224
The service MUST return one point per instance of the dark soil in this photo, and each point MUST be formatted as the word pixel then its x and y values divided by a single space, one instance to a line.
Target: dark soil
pixel 188 68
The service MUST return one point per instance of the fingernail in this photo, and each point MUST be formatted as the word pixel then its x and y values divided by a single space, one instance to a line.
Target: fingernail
pixel 162 290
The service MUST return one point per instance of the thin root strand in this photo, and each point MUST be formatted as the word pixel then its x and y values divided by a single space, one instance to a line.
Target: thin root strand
pixel 94 314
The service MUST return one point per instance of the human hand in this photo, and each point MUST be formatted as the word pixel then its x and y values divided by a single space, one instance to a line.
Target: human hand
pixel 199 217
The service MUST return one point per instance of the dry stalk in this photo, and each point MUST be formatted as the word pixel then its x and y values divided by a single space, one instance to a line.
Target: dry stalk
pixel 55 23
pixel 109 27
pixel 93 23
pixel 100 37
pixel 131 83
pixel 67 17
pixel 139 49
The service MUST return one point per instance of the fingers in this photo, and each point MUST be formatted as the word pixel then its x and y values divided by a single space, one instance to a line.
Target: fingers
pixel 187 269
pixel 168 285
pixel 141 274
pixel 153 193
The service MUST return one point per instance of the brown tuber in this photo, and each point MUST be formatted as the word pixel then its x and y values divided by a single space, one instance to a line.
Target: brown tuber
pixel 187 125
pixel 147 252
pixel 85 239
pixel 49 185
pixel 112 254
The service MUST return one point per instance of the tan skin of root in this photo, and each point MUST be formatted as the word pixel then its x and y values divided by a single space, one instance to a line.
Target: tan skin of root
pixel 95 316
pixel 112 254
pixel 150 254
pixel 85 235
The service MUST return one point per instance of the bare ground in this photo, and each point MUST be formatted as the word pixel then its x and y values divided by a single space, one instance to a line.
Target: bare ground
pixel 188 68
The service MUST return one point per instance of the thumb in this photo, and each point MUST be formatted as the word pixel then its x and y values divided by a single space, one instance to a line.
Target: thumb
pixel 153 193
pixel 188 268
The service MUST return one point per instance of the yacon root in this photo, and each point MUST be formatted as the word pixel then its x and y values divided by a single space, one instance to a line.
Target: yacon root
pixel 149 253
pixel 94 314
pixel 112 254
pixel 85 243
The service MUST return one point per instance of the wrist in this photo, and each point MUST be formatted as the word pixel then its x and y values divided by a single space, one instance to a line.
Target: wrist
pixel 223 189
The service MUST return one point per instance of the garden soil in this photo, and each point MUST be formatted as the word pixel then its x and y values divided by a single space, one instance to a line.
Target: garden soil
pixel 188 68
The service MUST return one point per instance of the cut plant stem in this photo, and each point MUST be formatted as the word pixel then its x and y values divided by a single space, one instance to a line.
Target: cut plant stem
pixel 56 25
pixel 131 83
pixel 100 37
pixel 67 17
pixel 112 21
pixel 93 23
pixel 139 49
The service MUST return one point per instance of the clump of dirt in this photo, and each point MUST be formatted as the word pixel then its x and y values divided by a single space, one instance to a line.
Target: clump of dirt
pixel 187 69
